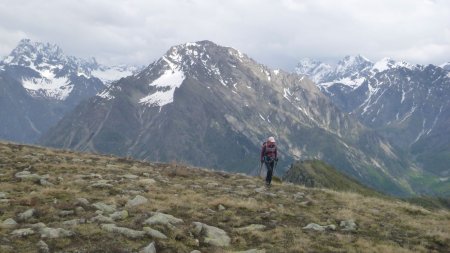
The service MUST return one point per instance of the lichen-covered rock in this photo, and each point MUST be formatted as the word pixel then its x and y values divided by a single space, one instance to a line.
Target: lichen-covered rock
pixel 42 247
pixel 26 215
pixel 138 200
pixel 212 235
pixel 154 233
pixel 101 219
pixel 104 207
pixel 162 218
pixel 8 223
pixel 250 228
pixel 317 227
pixel 348 225
pixel 53 233
pixel 149 249
pixel 119 215
pixel 22 232
pixel 127 232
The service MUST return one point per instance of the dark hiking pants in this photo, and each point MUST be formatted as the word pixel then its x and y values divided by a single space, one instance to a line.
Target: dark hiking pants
pixel 269 165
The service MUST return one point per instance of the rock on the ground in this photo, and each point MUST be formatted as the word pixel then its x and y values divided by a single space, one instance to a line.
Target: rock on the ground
pixel 22 232
pixel 138 200
pixel 348 225
pixel 127 232
pixel 53 233
pixel 104 207
pixel 3 195
pixel 27 176
pixel 42 247
pixel 102 184
pixel 154 233
pixel 26 215
pixel 8 223
pixel 130 176
pixel 163 219
pixel 317 227
pixel 252 227
pixel 101 219
pixel 149 249
pixel 120 215
pixel 212 235
pixel 146 182
pixel 82 201
pixel 251 251
pixel 221 207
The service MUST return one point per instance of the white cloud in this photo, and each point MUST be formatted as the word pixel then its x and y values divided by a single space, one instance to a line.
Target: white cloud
pixel 276 33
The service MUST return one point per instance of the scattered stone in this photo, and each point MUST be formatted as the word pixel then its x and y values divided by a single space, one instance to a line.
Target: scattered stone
pixel 44 182
pixel 104 207
pixel 8 223
pixel 318 227
pixel 3 195
pixel 149 249
pixel 53 233
pixel 195 186
pixel 138 200
pixel 74 222
pixel 38 226
pixel 260 190
pixel 42 247
pixel 82 201
pixel 79 210
pixel 120 215
pixel 26 215
pixel 252 227
pixel 22 232
pixel 196 251
pixel 348 225
pixel 213 236
pixel 221 207
pixel 212 185
pixel 146 182
pixel 102 184
pixel 27 176
pixel 101 219
pixel 66 213
pixel 162 218
pixel 145 174
pixel 154 233
pixel 299 195
pixel 130 176
pixel 127 232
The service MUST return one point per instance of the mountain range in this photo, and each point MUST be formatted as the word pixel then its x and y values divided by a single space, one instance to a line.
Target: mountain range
pixel 39 84
pixel 208 105
pixel 407 104
pixel 213 106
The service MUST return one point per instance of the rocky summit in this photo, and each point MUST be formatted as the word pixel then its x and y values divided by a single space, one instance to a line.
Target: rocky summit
pixel 61 201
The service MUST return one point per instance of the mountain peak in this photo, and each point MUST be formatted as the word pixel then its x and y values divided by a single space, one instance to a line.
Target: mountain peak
pixel 389 63
pixel 28 52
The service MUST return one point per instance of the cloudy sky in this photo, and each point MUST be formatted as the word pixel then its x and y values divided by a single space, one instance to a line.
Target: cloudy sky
pixel 274 32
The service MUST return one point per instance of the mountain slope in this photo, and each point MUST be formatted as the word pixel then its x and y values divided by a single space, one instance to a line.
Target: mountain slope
pixel 315 173
pixel 65 202
pixel 407 104
pixel 212 106
pixel 40 84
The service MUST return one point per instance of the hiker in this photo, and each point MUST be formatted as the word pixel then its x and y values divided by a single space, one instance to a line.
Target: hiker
pixel 269 157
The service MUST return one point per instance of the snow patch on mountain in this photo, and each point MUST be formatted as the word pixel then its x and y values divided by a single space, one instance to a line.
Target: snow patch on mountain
pixel 165 85
pixel 57 88
pixel 109 74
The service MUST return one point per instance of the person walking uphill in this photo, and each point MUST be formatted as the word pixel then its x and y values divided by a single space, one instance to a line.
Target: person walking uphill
pixel 269 157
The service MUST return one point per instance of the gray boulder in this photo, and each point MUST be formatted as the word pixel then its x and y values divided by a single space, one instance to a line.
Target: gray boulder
pixel 101 219
pixel 42 247
pixel 149 249
pixel 212 235
pixel 138 200
pixel 53 233
pixel 348 225
pixel 120 215
pixel 26 215
pixel 252 227
pixel 162 218
pixel 127 232
pixel 154 233
pixel 3 195
pixel 27 176
pixel 104 207
pixel 317 227
pixel 8 223
pixel 22 232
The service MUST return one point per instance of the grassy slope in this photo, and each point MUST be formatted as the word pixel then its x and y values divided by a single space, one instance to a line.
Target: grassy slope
pixel 315 173
pixel 190 194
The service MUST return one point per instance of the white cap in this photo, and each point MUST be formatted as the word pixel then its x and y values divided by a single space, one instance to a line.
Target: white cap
pixel 271 139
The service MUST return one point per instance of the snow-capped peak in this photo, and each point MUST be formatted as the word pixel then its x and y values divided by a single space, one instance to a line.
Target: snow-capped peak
pixel 352 64
pixel 445 66
pixel 388 63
